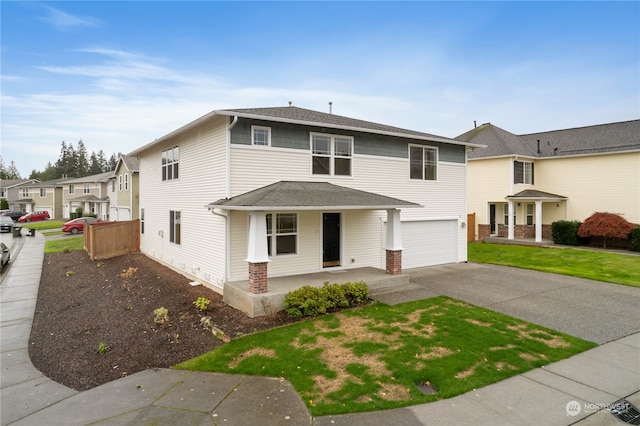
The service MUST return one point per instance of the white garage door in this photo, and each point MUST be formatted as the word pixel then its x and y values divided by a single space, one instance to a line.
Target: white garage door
pixel 124 214
pixel 427 243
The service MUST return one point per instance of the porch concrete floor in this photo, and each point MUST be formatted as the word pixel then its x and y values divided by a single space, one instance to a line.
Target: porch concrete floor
pixel 237 293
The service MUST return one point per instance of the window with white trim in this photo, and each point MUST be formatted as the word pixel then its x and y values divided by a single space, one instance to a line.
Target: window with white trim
pixel 174 226
pixel 113 185
pixel 142 221
pixel 260 136
pixel 530 213
pixel 43 192
pixel 506 214
pixel 86 188
pixel 126 181
pixel 282 233
pixel 423 162
pixel 119 182
pixel 72 188
pixel 25 193
pixel 170 162
pixel 523 172
pixel 331 155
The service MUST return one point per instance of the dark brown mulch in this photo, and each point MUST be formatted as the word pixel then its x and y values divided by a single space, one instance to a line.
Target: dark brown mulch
pixel 83 303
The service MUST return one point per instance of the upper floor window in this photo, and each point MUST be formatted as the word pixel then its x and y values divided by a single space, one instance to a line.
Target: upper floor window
pixel 284 226
pixel 119 182
pixel 72 188
pixel 126 181
pixel 25 193
pixel 113 185
pixel 523 172
pixel 3 193
pixel 170 161
pixel 423 162
pixel 260 136
pixel 43 192
pixel 86 188
pixel 331 155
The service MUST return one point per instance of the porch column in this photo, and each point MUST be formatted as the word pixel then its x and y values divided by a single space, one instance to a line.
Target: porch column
pixel 393 244
pixel 511 218
pixel 538 221
pixel 257 254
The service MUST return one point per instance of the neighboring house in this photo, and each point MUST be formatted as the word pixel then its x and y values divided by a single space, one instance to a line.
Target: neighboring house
pixel 19 200
pixel 45 196
pixel 89 192
pixel 557 175
pixel 123 190
pixel 252 194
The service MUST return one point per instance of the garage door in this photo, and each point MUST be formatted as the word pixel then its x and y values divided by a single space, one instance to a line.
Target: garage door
pixel 427 243
pixel 124 214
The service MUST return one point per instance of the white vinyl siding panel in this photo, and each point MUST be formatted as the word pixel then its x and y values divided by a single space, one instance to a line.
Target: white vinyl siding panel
pixel 201 253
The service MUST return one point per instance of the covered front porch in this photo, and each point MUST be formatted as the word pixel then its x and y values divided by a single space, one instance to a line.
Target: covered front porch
pixel 537 198
pixel 237 293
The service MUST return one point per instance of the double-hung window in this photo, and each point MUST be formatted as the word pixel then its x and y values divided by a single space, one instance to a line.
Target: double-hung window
pixel 119 182
pixel 260 136
pixel 523 172
pixel 170 161
pixel 506 214
pixel 423 162
pixel 282 233
pixel 174 226
pixel 72 188
pixel 25 193
pixel 126 181
pixel 43 192
pixel 331 155
pixel 530 213
pixel 86 188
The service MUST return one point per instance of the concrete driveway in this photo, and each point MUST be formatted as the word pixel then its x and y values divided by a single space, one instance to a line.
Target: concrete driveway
pixel 592 310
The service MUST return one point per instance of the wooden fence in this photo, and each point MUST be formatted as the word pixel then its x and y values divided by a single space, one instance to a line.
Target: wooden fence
pixel 471 227
pixel 103 240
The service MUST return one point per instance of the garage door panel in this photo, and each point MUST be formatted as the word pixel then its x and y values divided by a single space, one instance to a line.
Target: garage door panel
pixel 427 243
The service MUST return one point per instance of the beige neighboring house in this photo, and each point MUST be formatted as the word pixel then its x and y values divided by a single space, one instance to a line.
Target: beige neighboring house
pixel 45 196
pixel 123 190
pixel 520 184
pixel 239 197
pixel 89 192
pixel 18 198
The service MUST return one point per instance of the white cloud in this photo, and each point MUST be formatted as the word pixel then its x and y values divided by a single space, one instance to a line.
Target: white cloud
pixel 64 21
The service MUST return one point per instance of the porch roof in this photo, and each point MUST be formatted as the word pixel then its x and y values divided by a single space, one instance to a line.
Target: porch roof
pixel 92 198
pixel 532 194
pixel 288 195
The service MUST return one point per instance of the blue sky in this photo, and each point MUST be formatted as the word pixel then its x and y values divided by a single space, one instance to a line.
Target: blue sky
pixel 119 74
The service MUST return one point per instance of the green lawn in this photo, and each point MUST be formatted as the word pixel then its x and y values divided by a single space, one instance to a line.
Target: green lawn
pixel 66 244
pixel 45 224
pixel 376 357
pixel 595 265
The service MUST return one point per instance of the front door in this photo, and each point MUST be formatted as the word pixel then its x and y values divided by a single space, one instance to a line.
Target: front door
pixel 492 219
pixel 330 240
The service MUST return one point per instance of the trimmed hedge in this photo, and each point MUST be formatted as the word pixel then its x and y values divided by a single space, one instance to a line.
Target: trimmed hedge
pixel 635 239
pixel 566 232
pixel 308 301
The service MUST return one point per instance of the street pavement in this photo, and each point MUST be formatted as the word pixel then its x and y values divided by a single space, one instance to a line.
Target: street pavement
pixel 576 390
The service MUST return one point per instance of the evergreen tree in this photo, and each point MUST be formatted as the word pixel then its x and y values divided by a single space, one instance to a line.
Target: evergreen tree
pixel 113 162
pixel 82 162
pixel 94 165
pixel 12 171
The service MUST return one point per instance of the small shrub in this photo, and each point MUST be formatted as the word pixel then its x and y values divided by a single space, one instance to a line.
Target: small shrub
pixel 69 273
pixel 335 296
pixel 306 301
pixel 566 232
pixel 102 348
pixel 356 293
pixel 161 315
pixel 635 239
pixel 201 303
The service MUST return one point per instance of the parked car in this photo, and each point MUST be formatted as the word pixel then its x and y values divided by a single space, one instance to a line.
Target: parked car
pixel 6 224
pixel 34 216
pixel 5 255
pixel 77 225
pixel 13 215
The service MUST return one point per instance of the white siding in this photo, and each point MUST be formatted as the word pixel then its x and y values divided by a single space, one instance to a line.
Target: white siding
pixel 201 254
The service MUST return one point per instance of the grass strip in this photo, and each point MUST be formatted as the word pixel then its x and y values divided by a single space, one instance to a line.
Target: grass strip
pixel 45 224
pixel 377 357
pixel 595 265
pixel 64 245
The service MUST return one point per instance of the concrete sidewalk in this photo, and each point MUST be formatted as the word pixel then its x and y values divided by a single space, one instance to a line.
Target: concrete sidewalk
pixel 573 390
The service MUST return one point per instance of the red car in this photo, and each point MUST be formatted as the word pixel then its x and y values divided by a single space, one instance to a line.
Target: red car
pixel 77 225
pixel 34 216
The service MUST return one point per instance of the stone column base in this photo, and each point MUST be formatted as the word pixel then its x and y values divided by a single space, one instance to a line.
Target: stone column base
pixel 258 277
pixel 394 262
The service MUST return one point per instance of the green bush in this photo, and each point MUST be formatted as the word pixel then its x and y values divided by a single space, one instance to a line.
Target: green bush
pixel 335 296
pixel 89 215
pixel 566 232
pixel 306 301
pixel 356 293
pixel 635 239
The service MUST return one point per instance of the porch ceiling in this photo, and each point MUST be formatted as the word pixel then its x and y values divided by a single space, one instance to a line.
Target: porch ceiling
pixel 287 195
pixel 531 194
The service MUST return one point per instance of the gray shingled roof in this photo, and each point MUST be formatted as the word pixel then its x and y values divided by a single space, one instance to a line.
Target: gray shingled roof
pixel 132 163
pixel 100 177
pixel 531 194
pixel 613 137
pixel 287 195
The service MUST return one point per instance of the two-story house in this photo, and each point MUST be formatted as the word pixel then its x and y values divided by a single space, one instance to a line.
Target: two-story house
pixel 123 189
pixel 45 196
pixel 89 193
pixel 18 199
pixel 251 194
pixel 520 184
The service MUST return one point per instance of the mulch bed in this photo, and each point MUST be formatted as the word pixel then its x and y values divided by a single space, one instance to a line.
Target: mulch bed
pixel 83 304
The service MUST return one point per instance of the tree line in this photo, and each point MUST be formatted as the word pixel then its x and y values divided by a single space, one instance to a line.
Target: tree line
pixel 73 162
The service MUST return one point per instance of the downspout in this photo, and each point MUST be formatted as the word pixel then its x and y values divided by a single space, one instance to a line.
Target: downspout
pixel 228 161
pixel 227 224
